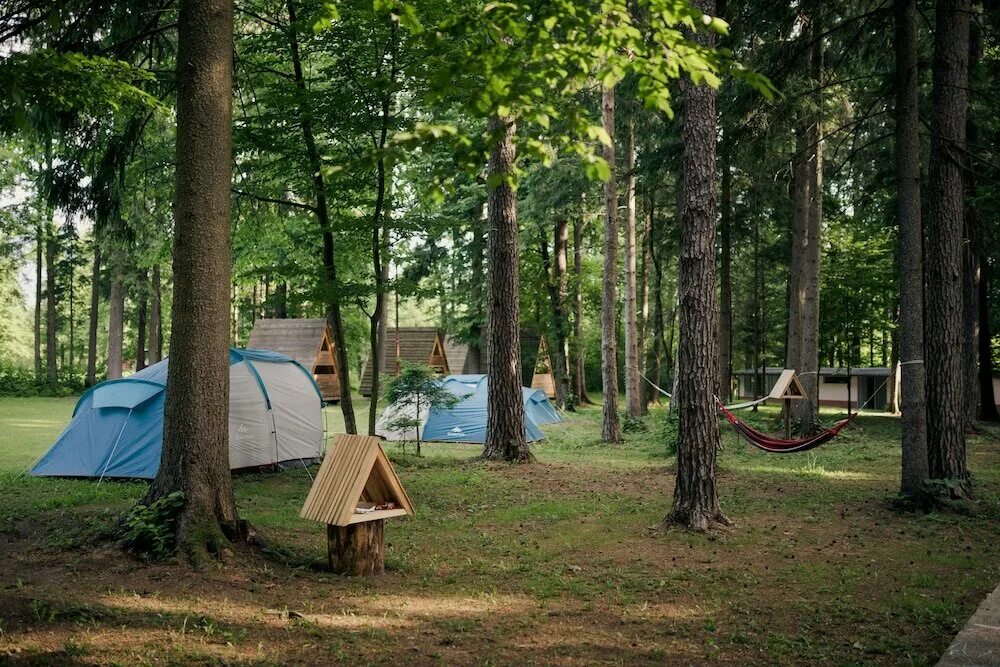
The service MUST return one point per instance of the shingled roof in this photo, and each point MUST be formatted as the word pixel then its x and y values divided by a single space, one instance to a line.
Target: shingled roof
pixel 416 345
pixel 304 339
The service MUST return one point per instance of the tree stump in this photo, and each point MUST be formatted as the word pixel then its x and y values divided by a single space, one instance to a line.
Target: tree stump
pixel 357 550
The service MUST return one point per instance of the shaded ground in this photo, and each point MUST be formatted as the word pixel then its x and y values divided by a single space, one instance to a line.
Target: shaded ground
pixel 556 563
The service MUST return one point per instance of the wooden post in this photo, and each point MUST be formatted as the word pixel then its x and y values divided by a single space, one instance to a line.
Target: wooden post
pixel 788 419
pixel 357 550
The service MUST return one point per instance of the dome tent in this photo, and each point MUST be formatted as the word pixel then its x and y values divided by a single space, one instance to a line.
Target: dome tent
pixel 536 402
pixel 275 416
pixel 465 422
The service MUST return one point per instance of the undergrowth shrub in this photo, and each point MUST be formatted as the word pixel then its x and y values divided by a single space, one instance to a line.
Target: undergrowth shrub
pixel 150 530
pixel 17 380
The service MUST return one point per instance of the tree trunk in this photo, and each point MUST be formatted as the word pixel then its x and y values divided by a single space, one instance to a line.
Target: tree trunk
pixel 357 550
pixel 610 426
pixel 645 271
pixel 477 251
pixel 95 301
pixel 140 326
pixel 333 314
pixel 726 276
pixel 807 411
pixel 913 419
pixel 942 354
pixel 633 392
pixel 696 500
pixel 557 286
pixel 379 233
pixel 39 264
pixel 972 259
pixel 281 300
pixel 51 368
pixel 195 456
pixel 579 345
pixel 155 319
pixel 505 437
pixel 985 344
pixel 116 326
pixel 654 364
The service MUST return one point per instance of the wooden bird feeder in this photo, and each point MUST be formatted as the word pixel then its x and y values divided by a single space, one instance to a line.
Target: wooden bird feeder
pixel 355 491
pixel 787 389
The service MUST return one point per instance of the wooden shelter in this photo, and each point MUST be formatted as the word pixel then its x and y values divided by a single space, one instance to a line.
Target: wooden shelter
pixel 354 492
pixel 541 377
pixel 308 341
pixel 420 345
pixel 464 359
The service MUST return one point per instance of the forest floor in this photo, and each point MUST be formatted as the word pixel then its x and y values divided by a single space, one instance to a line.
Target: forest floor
pixel 560 562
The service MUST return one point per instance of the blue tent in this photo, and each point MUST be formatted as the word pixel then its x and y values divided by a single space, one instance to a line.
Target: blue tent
pixel 537 404
pixel 465 422
pixel 275 415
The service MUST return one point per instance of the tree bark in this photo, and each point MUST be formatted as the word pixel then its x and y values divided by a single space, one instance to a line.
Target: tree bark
pixel 95 302
pixel 807 410
pixel 988 411
pixel 633 392
pixel 611 425
pixel 911 271
pixel 281 300
pixel 942 355
pixel 696 500
pixel 116 326
pixel 357 550
pixel 51 367
pixel 140 325
pixel 39 265
pixel 195 456
pixel 645 272
pixel 379 233
pixel 654 363
pixel 333 314
pixel 972 259
pixel 726 276
pixel 579 345
pixel 155 318
pixel 505 436
pixel 557 286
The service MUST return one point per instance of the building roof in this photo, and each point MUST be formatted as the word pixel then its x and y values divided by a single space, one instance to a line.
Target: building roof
pixel 301 339
pixel 457 354
pixel 826 371
pixel 416 345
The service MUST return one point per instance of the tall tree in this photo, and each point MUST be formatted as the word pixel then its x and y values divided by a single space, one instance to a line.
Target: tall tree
pixel 579 345
pixel 141 321
pixel 557 284
pixel 92 317
pixel 51 290
pixel 942 346
pixel 633 392
pixel 116 326
pixel 809 277
pixel 195 457
pixel 696 500
pixel 911 269
pixel 39 266
pixel 726 274
pixel 505 436
pixel 155 318
pixel 322 212
pixel 611 430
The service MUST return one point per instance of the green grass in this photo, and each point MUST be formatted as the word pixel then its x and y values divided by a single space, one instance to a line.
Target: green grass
pixel 558 561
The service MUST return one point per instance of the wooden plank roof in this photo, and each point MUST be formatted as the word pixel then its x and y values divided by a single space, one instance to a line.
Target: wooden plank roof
pixel 355 469
pixel 301 338
pixel 416 345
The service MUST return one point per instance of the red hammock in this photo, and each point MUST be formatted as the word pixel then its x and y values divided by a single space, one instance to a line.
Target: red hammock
pixel 778 446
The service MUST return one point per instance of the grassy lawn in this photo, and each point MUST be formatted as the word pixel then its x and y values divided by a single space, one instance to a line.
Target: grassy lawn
pixel 558 562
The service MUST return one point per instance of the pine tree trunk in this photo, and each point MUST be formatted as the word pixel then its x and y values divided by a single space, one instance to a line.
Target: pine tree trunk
pixel 645 276
pixel 333 314
pixel 195 456
pixel 579 345
pixel 155 319
pixel 477 251
pixel 807 411
pixel 943 302
pixel 610 426
pixel 557 287
pixel 971 263
pixel 633 392
pixel 140 324
pixel 505 436
pixel 911 271
pixel 281 301
pixel 654 364
pixel 51 368
pixel 39 264
pixel 696 500
pixel 95 302
pixel 726 276
pixel 116 326
pixel 985 344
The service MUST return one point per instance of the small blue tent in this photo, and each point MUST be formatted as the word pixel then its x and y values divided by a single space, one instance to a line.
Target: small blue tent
pixel 465 422
pixel 275 415
pixel 537 404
